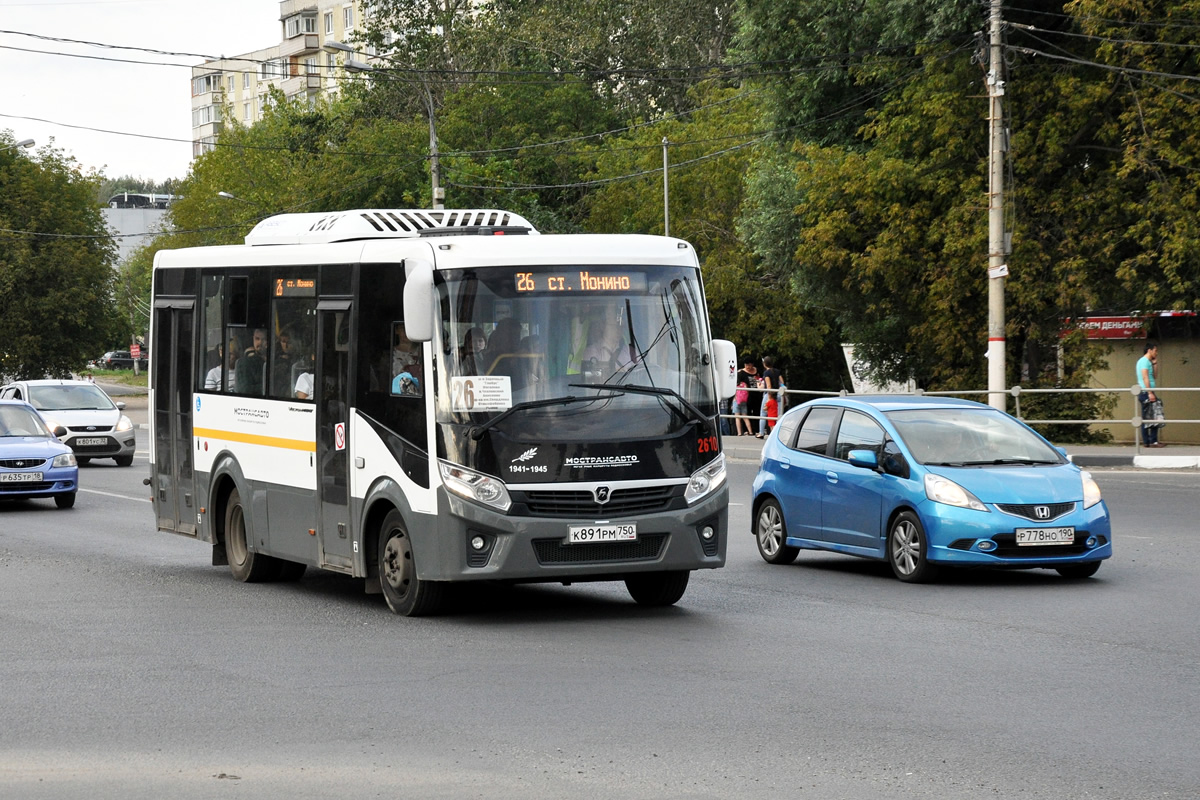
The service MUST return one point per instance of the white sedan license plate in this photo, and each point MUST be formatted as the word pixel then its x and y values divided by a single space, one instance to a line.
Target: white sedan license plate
pixel 581 534
pixel 1045 536
pixel 86 440
pixel 20 477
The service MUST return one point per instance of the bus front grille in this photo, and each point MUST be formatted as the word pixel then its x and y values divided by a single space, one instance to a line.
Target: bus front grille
pixel 646 548
pixel 641 500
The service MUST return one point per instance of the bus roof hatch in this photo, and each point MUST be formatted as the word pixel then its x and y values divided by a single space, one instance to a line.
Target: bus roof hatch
pixel 340 226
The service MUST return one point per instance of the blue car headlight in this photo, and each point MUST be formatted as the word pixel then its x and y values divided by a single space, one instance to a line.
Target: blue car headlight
pixel 65 460
pixel 475 486
pixel 1091 491
pixel 706 479
pixel 944 490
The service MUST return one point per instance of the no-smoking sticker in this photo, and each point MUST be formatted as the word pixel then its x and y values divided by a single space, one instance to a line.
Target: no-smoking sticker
pixel 339 435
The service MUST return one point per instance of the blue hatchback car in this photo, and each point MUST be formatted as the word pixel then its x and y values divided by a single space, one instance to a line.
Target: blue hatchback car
pixel 33 462
pixel 925 482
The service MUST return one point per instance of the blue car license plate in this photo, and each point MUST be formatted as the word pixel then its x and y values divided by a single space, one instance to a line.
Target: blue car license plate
pixel 1034 536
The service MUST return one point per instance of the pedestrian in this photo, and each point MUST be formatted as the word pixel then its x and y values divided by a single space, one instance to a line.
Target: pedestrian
pixel 770 404
pixel 747 378
pixel 1148 381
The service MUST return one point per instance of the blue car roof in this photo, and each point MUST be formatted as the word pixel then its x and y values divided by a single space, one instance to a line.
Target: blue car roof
pixel 884 403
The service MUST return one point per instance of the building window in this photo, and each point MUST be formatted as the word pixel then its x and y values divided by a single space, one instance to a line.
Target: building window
pixel 329 24
pixel 205 114
pixel 246 111
pixel 230 84
pixel 204 84
pixel 348 18
pixel 310 66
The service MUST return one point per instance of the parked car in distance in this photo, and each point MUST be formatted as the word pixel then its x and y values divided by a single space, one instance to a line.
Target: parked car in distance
pixel 923 483
pixel 121 359
pixel 33 462
pixel 95 426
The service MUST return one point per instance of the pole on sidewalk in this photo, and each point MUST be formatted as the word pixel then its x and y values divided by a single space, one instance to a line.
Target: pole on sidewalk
pixel 997 269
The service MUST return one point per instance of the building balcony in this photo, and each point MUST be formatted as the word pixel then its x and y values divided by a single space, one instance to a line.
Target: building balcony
pixel 301 84
pixel 300 45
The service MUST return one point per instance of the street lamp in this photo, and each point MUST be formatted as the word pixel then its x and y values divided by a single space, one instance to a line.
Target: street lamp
pixel 229 196
pixel 435 168
pixel 22 143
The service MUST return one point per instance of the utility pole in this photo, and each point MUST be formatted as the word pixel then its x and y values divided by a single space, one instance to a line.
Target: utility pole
pixel 666 194
pixel 997 268
pixel 438 194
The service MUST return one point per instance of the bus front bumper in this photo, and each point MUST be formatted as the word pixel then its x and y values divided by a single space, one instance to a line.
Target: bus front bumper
pixel 535 549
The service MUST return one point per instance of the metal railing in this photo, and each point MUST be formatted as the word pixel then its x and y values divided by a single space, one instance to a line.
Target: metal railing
pixel 1015 392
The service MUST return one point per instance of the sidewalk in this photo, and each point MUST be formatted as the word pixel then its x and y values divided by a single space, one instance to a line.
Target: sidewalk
pixel 1184 456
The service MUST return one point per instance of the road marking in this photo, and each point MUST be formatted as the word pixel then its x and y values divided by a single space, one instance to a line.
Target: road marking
pixel 114 494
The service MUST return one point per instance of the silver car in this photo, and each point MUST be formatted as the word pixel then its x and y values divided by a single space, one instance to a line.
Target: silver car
pixel 96 428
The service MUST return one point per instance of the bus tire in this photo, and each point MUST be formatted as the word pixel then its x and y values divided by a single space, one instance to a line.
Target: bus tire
pixel 246 565
pixel 657 588
pixel 406 594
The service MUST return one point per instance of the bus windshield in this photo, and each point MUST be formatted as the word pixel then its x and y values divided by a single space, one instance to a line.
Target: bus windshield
pixel 515 339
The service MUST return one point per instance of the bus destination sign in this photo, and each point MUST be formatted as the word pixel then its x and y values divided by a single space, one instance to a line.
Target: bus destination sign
pixel 581 281
pixel 295 287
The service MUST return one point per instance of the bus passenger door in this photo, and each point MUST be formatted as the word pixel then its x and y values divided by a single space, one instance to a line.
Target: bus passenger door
pixel 332 387
pixel 174 500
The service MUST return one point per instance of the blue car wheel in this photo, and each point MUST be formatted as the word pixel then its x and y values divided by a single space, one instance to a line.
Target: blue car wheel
pixel 770 532
pixel 908 549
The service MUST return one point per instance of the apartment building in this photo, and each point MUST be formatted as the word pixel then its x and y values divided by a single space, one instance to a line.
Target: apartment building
pixel 238 88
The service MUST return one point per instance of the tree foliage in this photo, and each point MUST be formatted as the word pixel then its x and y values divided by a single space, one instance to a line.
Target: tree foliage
pixel 56 266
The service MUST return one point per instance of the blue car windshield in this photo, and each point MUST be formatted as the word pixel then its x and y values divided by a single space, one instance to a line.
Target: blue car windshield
pixel 970 437
pixel 19 421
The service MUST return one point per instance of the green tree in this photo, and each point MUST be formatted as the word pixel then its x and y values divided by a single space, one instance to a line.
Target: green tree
pixel 56 266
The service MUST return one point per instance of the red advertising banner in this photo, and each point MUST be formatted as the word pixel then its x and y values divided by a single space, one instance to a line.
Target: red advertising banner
pixel 1119 327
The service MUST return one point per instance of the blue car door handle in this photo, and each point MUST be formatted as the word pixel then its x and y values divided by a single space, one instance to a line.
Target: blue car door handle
pixel 831 476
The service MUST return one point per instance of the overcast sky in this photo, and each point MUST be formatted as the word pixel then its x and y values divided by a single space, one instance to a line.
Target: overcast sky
pixel 150 99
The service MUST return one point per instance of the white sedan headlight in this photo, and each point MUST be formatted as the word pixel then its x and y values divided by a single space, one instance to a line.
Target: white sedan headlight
pixel 65 460
pixel 944 490
pixel 1091 492
pixel 706 479
pixel 124 424
pixel 475 486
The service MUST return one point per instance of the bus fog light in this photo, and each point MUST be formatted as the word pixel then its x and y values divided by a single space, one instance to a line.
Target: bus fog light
pixel 477 543
pixel 707 532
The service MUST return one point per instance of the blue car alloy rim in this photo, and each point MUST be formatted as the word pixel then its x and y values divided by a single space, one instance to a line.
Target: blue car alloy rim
pixel 906 546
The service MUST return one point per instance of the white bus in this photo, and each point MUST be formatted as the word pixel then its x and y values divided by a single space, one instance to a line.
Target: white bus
pixel 418 398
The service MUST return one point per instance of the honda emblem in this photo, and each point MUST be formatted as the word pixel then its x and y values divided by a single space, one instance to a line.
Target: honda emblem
pixel 1041 512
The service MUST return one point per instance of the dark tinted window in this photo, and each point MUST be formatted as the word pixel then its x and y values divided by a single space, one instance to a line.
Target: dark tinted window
pixel 814 432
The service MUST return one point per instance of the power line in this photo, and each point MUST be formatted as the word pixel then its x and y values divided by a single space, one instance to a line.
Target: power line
pixel 1105 39
pixel 1112 68
pixel 1181 24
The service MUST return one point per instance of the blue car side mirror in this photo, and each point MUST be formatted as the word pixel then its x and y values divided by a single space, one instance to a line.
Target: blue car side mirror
pixel 863 458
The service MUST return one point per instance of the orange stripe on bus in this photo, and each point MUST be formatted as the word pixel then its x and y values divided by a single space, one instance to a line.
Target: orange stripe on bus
pixel 253 438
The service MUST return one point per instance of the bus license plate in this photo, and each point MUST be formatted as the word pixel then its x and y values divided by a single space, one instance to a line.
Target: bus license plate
pixel 87 440
pixel 20 477
pixel 1027 536
pixel 580 534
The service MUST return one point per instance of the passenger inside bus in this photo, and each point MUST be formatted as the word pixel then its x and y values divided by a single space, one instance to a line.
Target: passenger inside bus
pixel 251 370
pixel 406 363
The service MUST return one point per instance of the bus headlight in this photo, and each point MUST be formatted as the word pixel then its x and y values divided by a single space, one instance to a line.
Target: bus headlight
pixel 706 479
pixel 475 486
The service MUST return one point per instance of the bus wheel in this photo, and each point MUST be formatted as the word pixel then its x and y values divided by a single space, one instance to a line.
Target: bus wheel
pixel 657 588
pixel 245 565
pixel 406 594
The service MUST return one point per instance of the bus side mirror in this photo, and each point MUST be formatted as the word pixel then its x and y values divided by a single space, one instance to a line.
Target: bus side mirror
pixel 724 367
pixel 418 300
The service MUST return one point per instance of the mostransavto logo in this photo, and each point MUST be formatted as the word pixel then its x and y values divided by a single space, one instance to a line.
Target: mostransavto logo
pixel 590 462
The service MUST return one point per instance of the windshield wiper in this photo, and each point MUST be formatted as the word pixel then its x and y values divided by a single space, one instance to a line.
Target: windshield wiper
pixel 478 431
pixel 638 389
pixel 1000 461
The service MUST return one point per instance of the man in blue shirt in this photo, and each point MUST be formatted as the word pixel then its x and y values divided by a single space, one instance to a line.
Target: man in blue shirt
pixel 1146 380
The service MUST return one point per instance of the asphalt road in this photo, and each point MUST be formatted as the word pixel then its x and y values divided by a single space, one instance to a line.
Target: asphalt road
pixel 131 668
